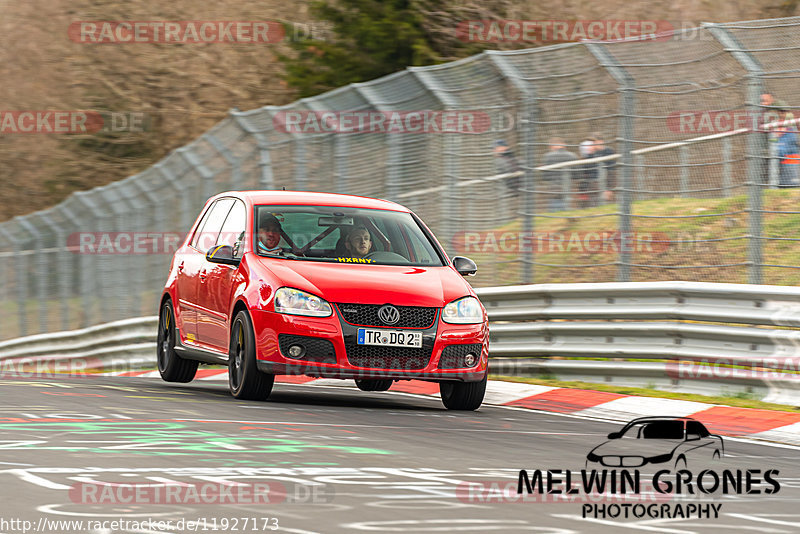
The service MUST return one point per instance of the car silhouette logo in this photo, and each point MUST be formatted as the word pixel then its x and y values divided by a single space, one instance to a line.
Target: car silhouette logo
pixel 388 314
pixel 657 440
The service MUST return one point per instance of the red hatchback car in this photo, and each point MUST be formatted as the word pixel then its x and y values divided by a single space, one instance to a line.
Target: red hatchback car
pixel 326 285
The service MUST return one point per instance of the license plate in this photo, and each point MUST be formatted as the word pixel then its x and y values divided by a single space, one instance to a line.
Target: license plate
pixel 389 338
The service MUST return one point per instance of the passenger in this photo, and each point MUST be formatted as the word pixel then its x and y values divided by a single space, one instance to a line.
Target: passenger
pixel 269 235
pixel 358 242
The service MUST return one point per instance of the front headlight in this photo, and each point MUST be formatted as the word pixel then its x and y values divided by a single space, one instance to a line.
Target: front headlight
pixel 465 310
pixel 296 302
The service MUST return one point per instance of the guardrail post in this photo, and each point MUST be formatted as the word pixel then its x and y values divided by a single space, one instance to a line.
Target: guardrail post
pixel 757 143
pixel 627 109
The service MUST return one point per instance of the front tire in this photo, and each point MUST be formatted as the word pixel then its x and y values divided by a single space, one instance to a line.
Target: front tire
pixel 172 367
pixel 365 384
pixel 463 395
pixel 245 381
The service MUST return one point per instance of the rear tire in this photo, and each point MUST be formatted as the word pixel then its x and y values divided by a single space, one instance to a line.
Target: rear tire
pixel 365 384
pixel 463 395
pixel 172 367
pixel 245 381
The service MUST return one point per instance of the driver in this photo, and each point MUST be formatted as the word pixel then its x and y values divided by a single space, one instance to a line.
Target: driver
pixel 269 235
pixel 358 242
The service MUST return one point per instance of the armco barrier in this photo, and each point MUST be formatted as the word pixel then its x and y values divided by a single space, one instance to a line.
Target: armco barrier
pixel 121 345
pixel 739 326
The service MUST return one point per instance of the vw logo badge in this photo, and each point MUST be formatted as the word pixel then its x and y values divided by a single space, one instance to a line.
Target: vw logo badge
pixel 388 314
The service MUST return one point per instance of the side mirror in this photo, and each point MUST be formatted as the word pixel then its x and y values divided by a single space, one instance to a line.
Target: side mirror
pixel 615 435
pixel 692 437
pixel 464 266
pixel 222 254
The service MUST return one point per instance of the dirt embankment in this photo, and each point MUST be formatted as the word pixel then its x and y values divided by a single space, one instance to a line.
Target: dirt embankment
pixel 183 89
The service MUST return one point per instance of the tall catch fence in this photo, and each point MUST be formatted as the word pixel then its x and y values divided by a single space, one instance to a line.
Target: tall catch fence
pixel 678 197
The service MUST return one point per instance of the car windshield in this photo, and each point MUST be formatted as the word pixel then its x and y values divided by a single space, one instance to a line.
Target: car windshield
pixel 655 430
pixel 343 235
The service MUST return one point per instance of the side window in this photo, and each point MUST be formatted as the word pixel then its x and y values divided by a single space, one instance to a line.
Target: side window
pixel 207 236
pixel 694 428
pixel 232 232
pixel 200 226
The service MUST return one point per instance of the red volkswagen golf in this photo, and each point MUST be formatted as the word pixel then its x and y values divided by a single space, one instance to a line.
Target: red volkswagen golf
pixel 324 285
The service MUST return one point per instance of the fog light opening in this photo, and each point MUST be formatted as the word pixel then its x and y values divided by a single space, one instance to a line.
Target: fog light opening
pixel 296 351
pixel 470 359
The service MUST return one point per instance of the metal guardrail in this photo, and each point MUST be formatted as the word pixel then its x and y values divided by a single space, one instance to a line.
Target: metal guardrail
pixel 121 345
pixel 752 329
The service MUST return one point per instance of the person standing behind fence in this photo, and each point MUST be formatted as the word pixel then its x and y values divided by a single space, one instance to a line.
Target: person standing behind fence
pixel 505 162
pixel 558 182
pixel 600 150
pixel 788 157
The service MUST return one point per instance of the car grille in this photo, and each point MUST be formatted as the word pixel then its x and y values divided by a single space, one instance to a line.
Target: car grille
pixel 377 357
pixel 317 349
pixel 367 315
pixel 453 355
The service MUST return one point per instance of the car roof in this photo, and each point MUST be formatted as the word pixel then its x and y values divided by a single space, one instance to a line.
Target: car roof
pixel 306 198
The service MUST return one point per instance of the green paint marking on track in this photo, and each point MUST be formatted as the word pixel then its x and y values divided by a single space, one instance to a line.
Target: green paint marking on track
pixel 164 439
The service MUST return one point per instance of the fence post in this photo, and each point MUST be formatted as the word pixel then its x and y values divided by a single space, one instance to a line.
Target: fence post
pixel 234 162
pixel 684 158
pixel 21 272
pixel 450 154
pixel 530 179
pixel 726 166
pixel 267 180
pixel 63 267
pixel 41 275
pixel 627 109
pixel 756 145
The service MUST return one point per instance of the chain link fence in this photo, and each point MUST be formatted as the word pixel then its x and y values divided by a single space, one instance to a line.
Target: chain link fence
pixel 675 195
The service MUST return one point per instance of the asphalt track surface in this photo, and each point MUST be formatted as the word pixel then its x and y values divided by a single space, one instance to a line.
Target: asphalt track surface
pixel 321 459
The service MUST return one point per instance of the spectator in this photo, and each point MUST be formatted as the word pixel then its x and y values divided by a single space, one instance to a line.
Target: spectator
pixel 601 150
pixel 505 162
pixel 555 179
pixel 787 152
